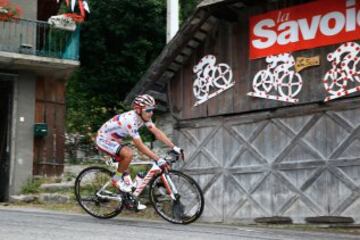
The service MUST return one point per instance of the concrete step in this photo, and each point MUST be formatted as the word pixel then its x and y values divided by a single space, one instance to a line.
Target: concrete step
pixel 42 198
pixel 53 187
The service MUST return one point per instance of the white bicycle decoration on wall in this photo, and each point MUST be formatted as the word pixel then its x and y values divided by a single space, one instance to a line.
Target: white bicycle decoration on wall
pixel 278 81
pixel 345 63
pixel 211 77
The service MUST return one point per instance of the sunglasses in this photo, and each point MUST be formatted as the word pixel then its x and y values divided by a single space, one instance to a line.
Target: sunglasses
pixel 149 110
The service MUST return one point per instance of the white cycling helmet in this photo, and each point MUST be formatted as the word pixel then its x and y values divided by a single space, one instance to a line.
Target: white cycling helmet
pixel 144 101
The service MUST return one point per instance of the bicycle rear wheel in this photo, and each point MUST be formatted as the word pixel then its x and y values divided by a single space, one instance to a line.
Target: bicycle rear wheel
pixel 108 203
pixel 189 203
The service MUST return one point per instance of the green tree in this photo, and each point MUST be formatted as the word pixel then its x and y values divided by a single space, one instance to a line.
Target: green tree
pixel 119 40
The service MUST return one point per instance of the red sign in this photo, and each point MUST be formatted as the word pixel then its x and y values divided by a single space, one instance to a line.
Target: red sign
pixel 315 24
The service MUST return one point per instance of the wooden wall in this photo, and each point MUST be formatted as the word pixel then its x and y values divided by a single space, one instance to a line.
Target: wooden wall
pixel 50 109
pixel 229 42
pixel 255 158
pixel 298 164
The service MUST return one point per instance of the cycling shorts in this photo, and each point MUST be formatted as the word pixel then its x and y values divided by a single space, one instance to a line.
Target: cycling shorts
pixel 108 146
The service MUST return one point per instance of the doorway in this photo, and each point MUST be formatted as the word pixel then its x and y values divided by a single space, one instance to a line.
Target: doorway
pixel 6 97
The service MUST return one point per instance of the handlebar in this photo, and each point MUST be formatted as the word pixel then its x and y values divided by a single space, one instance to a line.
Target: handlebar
pixel 172 156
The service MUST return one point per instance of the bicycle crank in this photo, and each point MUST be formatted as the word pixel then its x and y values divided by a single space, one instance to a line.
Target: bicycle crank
pixel 130 202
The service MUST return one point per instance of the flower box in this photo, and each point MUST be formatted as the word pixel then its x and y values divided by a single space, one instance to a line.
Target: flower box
pixel 62 22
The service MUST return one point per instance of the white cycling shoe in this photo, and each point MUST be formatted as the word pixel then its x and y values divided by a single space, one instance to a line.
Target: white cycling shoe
pixel 121 185
pixel 141 206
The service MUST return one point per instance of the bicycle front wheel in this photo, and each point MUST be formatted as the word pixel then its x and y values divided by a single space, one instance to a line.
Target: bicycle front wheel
pixel 95 194
pixel 188 204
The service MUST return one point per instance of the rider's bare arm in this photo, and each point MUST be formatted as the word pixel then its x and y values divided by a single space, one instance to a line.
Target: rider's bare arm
pixel 144 149
pixel 161 136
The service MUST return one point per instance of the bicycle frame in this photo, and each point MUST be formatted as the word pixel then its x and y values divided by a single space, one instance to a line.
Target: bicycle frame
pixel 154 170
pixel 150 174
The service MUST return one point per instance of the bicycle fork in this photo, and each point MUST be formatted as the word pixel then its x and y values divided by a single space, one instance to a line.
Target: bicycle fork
pixel 169 185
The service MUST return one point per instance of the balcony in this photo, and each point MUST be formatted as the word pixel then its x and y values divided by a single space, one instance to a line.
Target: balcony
pixel 37 44
pixel 38 38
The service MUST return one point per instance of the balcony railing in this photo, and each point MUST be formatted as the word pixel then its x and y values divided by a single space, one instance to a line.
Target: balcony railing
pixel 39 38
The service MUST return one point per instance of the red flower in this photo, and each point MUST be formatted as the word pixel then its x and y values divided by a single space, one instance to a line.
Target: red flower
pixel 76 17
pixel 9 11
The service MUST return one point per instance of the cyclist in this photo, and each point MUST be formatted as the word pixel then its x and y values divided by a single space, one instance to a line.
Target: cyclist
pixel 110 135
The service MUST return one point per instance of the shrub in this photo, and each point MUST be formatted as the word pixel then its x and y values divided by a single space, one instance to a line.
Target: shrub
pixel 32 186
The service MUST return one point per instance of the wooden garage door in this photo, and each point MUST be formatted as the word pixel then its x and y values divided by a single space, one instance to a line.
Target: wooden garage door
pixel 297 166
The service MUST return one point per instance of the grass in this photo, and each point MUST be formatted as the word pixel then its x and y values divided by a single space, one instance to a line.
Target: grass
pixel 32 186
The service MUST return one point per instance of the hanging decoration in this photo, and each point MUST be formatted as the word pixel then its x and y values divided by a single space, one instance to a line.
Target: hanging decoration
pixel 83 6
pixel 68 21
pixel 278 81
pixel 211 79
pixel 344 76
pixel 9 11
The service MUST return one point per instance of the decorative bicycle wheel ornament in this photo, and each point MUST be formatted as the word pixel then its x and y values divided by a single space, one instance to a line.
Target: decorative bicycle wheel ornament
pixel 222 76
pixel 211 79
pixel 290 85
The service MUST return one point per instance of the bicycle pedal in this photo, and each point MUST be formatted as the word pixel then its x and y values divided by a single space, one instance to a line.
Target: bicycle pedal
pixel 130 207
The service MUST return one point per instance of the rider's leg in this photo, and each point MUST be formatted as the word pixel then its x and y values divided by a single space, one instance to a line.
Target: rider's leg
pixel 126 156
pixel 123 155
pixel 121 179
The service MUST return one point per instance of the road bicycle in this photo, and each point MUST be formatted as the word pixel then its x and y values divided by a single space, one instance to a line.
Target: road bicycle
pixel 175 196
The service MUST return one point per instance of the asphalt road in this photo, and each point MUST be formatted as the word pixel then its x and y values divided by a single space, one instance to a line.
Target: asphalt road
pixel 18 224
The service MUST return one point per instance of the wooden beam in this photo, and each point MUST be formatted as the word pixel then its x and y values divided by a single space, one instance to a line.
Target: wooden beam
pixel 179 59
pixel 206 27
pixel 193 44
pixel 158 95
pixel 200 36
pixel 187 51
pixel 165 78
pixel 174 66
